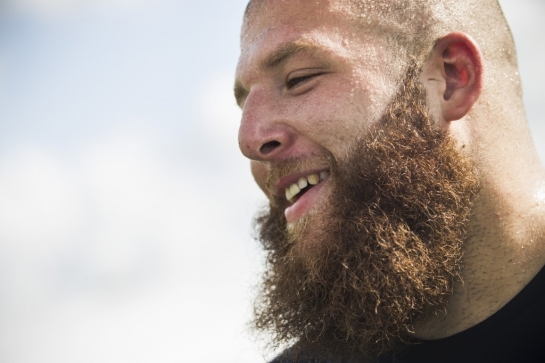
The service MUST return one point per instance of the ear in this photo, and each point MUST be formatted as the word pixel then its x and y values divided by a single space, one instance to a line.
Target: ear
pixel 454 75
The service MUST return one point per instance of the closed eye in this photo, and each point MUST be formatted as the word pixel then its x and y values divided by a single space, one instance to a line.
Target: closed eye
pixel 297 80
pixel 300 78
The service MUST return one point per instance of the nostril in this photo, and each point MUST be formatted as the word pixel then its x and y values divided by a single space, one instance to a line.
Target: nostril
pixel 269 147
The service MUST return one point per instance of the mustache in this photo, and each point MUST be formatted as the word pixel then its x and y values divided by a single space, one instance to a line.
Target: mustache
pixel 294 165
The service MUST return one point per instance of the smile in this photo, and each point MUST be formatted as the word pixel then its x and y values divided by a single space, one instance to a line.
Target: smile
pixel 304 194
pixel 301 186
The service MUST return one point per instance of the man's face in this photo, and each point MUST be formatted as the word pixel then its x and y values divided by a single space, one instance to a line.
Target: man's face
pixel 372 243
pixel 309 83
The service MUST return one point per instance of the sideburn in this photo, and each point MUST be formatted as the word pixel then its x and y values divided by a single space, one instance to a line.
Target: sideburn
pixel 390 245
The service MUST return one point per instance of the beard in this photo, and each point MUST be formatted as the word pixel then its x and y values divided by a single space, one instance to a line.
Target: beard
pixel 351 279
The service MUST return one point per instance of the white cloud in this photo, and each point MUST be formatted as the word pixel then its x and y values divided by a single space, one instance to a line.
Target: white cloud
pixel 39 200
pixel 3 68
pixel 219 111
pixel 115 254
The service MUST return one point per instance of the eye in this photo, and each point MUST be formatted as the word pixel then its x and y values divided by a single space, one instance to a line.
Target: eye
pixel 297 80
pixel 301 77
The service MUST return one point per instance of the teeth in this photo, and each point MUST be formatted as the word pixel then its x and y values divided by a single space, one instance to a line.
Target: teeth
pixel 323 175
pixel 302 183
pixel 288 194
pixel 294 189
pixel 313 179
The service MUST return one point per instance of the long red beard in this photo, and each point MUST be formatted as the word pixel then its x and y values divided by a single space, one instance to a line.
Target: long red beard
pixel 389 247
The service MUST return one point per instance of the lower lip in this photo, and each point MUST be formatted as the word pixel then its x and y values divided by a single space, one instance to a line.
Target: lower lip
pixel 303 204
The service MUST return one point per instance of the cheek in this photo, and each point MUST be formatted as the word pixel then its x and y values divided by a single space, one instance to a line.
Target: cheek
pixel 334 112
pixel 338 115
pixel 377 89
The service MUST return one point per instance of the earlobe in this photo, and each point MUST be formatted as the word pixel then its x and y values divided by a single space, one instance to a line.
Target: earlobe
pixel 460 64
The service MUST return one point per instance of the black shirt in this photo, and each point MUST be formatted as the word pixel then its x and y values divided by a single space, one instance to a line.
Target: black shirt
pixel 515 333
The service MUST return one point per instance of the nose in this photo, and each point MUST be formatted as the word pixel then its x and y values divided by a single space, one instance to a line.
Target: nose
pixel 264 134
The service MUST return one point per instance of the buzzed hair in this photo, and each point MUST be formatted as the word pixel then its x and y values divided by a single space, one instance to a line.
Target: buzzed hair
pixel 482 19
pixel 414 26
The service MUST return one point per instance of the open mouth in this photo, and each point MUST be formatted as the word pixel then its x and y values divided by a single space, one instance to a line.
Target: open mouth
pixel 303 185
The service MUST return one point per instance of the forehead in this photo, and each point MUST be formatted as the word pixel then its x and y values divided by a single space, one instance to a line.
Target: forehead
pixel 263 13
pixel 328 24
pixel 279 17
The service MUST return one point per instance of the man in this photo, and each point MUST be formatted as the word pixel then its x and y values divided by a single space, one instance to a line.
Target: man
pixel 407 201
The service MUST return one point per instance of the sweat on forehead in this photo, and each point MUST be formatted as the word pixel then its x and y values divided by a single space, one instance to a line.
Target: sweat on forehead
pixel 414 25
pixel 400 22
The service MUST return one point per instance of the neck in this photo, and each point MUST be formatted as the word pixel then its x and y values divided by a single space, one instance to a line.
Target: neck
pixel 504 251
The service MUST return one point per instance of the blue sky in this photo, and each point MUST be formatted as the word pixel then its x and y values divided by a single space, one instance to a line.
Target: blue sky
pixel 125 207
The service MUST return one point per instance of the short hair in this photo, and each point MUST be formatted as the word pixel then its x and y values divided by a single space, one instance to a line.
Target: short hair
pixel 414 26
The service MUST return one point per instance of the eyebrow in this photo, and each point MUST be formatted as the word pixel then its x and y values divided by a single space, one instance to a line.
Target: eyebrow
pixel 287 51
pixel 276 58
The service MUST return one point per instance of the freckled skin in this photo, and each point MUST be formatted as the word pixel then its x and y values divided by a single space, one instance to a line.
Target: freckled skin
pixel 356 75
pixel 352 92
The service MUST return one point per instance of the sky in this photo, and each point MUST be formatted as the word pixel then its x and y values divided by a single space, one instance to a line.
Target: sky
pixel 125 205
